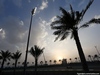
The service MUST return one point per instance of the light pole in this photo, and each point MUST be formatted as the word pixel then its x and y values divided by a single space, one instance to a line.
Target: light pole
pixel 97 50
pixel 25 62
pixel 44 58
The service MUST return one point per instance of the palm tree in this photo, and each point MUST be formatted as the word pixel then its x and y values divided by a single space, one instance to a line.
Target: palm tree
pixel 36 52
pixel 90 57
pixel 50 61
pixel 32 62
pixel 45 62
pixel 70 60
pixel 60 60
pixel 55 61
pixel 16 56
pixel 69 23
pixel 5 55
pixel 96 57
pixel 41 62
pixel 8 63
pixel 76 59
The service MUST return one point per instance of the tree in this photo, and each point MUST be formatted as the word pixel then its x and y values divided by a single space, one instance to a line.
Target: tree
pixel 4 55
pixel 96 57
pixel 36 52
pixel 60 61
pixel 50 61
pixel 41 62
pixel 45 62
pixel 69 23
pixel 70 60
pixel 8 63
pixel 32 62
pixel 76 59
pixel 90 57
pixel 16 56
pixel 55 61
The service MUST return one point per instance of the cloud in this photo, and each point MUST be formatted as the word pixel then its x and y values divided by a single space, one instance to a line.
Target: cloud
pixel 53 0
pixel 81 3
pixel 2 33
pixel 13 32
pixel 17 2
pixel 44 5
pixel 97 16
pixel 53 19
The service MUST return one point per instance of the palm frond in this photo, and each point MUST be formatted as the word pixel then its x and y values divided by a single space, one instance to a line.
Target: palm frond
pixel 57 37
pixel 57 32
pixel 84 26
pixel 97 21
pixel 87 7
pixel 66 14
pixel 72 12
pixel 64 36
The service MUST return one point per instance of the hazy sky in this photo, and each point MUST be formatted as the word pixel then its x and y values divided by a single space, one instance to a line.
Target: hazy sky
pixel 15 19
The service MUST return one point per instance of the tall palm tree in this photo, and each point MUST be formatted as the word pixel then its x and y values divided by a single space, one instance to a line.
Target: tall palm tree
pixel 36 52
pixel 69 23
pixel 5 55
pixel 16 56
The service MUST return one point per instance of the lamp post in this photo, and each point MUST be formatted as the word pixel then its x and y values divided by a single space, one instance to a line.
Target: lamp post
pixel 44 58
pixel 97 50
pixel 25 64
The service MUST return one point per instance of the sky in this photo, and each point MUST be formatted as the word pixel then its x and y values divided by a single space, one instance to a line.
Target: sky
pixel 14 24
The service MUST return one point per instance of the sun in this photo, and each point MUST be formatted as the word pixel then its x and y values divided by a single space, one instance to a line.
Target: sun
pixel 59 58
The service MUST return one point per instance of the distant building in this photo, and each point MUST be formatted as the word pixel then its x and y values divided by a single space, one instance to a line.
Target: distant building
pixel 64 61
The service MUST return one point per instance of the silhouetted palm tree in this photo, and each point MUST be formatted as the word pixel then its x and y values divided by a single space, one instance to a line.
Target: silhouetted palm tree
pixel 8 63
pixel 45 62
pixel 90 57
pixel 50 61
pixel 36 52
pixel 32 62
pixel 5 55
pixel 60 60
pixel 55 61
pixel 76 59
pixel 69 23
pixel 41 62
pixel 96 57
pixel 16 56
pixel 70 60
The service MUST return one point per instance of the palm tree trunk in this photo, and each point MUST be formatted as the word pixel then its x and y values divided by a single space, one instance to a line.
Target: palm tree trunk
pixel 2 66
pixel 36 66
pixel 80 51
pixel 15 66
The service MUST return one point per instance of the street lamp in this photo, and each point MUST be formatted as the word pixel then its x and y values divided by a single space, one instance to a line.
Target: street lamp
pixel 97 50
pixel 25 65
